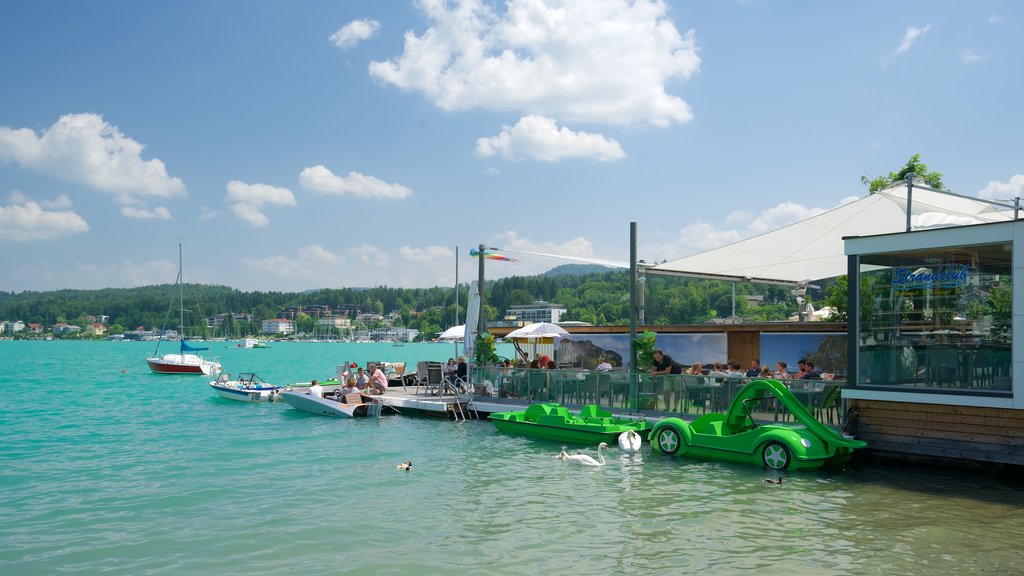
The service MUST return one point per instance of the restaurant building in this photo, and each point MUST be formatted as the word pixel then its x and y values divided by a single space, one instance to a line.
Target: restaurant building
pixel 933 320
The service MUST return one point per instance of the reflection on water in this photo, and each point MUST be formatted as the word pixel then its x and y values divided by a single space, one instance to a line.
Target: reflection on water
pixel 133 474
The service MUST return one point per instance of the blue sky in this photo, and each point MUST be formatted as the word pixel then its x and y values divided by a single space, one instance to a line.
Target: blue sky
pixel 299 145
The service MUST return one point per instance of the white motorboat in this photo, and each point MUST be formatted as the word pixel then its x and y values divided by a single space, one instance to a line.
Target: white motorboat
pixel 248 387
pixel 349 406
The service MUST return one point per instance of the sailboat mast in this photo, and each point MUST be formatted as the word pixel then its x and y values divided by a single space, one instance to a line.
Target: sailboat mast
pixel 181 300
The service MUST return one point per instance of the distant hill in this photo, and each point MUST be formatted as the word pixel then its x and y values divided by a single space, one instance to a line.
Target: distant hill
pixel 577 270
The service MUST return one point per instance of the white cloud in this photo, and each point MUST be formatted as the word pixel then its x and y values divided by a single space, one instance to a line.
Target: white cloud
pixel 249 200
pixel 971 57
pixel 995 19
pixel 354 32
pixel 60 203
pixel 85 149
pixel 315 266
pixel 24 220
pixel 996 190
pixel 599 61
pixel 159 213
pixel 911 36
pixel 539 138
pixel 320 179
pixel 55 275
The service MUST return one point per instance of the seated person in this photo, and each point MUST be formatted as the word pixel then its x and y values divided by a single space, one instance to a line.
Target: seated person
pixel 462 369
pixel 811 373
pixel 362 379
pixel 315 389
pixel 603 365
pixel 450 368
pixel 780 370
pixel 349 387
pixel 484 389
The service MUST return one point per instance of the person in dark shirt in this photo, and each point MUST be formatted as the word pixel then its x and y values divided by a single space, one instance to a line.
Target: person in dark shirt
pixel 755 368
pixel 811 373
pixel 664 364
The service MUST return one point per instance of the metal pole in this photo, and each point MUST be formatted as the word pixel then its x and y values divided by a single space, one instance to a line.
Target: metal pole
pixel 910 194
pixel 456 322
pixel 480 286
pixel 633 310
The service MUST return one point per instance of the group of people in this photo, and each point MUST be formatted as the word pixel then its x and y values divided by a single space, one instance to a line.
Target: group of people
pixel 664 364
pixel 373 383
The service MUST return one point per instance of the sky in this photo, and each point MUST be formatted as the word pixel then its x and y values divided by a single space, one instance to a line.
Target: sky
pixel 291 146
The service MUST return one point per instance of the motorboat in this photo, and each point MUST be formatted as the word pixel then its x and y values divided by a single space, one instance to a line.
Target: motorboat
pixel 348 406
pixel 552 421
pixel 248 387
pixel 736 437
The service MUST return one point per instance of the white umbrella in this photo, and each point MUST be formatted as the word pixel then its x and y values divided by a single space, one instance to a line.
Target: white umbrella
pixel 454 333
pixel 538 330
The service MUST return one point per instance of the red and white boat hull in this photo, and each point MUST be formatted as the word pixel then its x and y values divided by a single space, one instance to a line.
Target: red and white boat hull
pixel 183 364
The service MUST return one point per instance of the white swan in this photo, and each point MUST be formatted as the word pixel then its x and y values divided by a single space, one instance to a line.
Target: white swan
pixel 630 441
pixel 584 459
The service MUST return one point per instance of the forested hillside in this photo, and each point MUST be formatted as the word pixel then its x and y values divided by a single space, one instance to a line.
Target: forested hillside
pixel 600 298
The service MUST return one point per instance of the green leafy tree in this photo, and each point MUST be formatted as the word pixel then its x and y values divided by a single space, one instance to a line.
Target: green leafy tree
pixel 915 165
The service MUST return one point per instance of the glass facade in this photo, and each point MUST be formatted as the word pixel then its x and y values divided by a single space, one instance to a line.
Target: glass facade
pixel 936 320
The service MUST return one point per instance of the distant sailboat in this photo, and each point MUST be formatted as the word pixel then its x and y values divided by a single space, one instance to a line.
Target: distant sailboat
pixel 185 361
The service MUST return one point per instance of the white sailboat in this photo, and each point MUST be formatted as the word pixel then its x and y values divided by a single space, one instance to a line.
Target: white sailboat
pixel 185 361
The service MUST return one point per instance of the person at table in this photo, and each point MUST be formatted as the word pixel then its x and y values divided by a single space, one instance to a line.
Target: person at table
pixel 735 370
pixel 543 361
pixel 811 373
pixel 603 365
pixel 450 368
pixel 462 369
pixel 378 381
pixel 780 370
pixel 315 389
pixel 755 368
pixel 765 372
pixel 801 369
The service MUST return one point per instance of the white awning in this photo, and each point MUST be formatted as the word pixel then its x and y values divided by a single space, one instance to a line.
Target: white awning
pixel 812 249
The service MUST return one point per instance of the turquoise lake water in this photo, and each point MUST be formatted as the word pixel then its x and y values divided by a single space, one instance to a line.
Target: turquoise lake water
pixel 111 472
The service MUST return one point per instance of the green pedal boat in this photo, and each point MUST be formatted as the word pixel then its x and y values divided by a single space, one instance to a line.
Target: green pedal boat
pixel 552 421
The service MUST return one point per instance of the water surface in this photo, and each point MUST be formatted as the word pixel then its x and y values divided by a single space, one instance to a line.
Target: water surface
pixel 106 468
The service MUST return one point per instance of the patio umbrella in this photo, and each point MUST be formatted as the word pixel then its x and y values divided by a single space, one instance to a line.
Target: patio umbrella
pixel 538 330
pixel 453 333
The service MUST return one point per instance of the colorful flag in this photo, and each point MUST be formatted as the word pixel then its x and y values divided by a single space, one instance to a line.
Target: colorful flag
pixel 475 253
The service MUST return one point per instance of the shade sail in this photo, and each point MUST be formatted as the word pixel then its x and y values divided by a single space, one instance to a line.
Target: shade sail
pixel 813 249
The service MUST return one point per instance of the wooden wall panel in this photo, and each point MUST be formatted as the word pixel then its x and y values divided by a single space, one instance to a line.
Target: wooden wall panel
pixel 957 432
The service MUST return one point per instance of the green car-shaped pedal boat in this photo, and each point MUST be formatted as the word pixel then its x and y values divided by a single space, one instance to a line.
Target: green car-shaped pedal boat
pixel 552 421
pixel 736 437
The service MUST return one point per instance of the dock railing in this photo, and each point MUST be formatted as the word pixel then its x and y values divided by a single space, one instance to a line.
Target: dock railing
pixel 681 395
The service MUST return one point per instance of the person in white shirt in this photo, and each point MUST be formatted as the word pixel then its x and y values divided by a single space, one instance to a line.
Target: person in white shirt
pixel 315 389
pixel 603 365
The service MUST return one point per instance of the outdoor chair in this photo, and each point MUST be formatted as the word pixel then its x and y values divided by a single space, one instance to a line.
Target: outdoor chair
pixel 433 380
